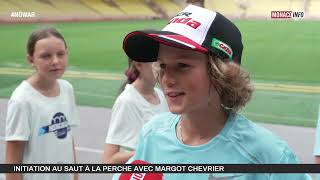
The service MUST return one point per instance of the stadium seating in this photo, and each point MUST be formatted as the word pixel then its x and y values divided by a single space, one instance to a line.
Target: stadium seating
pixel 314 9
pixel 263 8
pixel 41 9
pixel 169 7
pixel 226 7
pixel 73 8
pixel 135 7
pixel 296 5
pixel 6 8
pixel 56 9
pixel 103 8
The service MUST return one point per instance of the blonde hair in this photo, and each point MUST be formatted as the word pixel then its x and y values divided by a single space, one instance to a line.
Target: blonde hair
pixel 231 82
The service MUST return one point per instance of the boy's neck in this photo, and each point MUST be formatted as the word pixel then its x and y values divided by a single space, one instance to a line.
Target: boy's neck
pixel 202 124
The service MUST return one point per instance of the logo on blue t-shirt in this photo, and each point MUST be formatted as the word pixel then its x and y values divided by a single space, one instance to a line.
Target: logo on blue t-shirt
pixel 59 125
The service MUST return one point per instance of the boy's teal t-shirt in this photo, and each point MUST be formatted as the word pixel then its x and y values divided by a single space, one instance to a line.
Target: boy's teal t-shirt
pixel 239 142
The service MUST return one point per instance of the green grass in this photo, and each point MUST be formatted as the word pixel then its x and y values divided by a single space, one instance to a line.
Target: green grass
pixel 282 50
pixel 274 51
pixel 95 92
pixel 284 108
pixel 92 46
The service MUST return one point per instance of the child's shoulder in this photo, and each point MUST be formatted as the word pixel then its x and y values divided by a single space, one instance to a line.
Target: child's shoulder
pixel 129 95
pixel 65 83
pixel 258 141
pixel 21 92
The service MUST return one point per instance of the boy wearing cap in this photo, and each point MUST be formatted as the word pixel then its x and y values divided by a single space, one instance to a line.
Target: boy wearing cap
pixel 199 55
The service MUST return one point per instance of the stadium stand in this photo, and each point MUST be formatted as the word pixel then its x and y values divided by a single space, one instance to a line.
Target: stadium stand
pixel 135 8
pixel 41 8
pixel 313 10
pixel 73 8
pixel 226 7
pixel 103 8
pixel 79 10
pixel 6 8
pixel 169 7
pixel 262 8
pixel 296 5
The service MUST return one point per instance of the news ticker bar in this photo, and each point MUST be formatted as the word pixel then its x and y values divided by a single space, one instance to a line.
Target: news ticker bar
pixel 160 168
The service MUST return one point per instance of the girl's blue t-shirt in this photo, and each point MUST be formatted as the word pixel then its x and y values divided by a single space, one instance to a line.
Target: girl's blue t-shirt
pixel 240 142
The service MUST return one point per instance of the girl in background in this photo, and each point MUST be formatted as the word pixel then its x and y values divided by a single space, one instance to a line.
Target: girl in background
pixel 138 101
pixel 42 111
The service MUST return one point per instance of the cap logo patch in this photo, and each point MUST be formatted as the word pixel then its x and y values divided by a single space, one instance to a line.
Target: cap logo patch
pixel 188 21
pixel 184 14
pixel 222 46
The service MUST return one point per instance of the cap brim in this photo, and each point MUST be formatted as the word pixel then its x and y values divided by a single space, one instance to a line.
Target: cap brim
pixel 143 46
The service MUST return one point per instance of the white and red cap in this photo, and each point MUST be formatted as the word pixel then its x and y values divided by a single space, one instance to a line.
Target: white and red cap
pixel 193 28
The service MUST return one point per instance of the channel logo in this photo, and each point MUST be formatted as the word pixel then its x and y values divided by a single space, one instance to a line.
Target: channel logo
pixel 20 14
pixel 286 14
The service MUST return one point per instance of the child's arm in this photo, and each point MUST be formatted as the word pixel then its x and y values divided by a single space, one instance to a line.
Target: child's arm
pixel 112 155
pixel 14 155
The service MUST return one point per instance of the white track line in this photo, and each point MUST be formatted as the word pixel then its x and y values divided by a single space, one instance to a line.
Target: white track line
pixel 314 89
pixel 90 150
pixel 284 94
pixel 78 148
pixel 297 119
pixel 94 95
